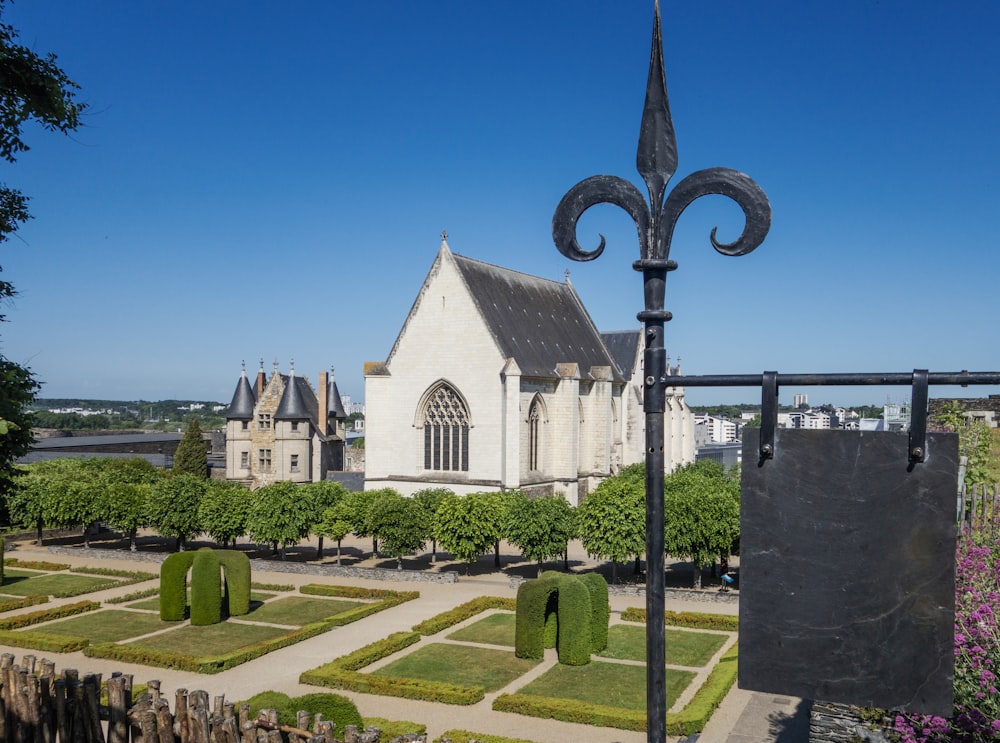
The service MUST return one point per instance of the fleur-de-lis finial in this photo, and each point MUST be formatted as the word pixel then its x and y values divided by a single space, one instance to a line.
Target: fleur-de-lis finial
pixel 656 161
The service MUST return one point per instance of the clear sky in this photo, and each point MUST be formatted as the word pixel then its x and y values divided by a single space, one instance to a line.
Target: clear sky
pixel 270 180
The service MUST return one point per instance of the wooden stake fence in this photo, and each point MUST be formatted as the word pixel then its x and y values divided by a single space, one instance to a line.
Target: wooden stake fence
pixel 38 706
pixel 979 509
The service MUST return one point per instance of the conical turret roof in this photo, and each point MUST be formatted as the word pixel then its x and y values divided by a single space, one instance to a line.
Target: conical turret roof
pixel 241 407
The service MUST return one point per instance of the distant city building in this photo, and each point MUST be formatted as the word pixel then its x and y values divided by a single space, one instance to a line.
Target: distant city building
pixel 280 428
pixel 800 401
pixel 728 455
pixel 710 429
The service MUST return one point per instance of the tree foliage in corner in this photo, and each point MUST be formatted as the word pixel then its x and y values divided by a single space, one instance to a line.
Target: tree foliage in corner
pixel 701 509
pixel 33 88
pixel 191 456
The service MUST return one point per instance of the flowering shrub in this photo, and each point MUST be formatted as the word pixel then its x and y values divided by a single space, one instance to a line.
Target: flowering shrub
pixel 977 652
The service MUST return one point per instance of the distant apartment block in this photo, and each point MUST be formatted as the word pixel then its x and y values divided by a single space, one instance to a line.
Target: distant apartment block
pixel 709 429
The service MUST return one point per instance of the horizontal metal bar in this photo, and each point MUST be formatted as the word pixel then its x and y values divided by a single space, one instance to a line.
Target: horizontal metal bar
pixel 963 378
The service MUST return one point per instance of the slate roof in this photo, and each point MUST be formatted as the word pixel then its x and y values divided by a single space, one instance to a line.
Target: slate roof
pixel 241 407
pixel 298 402
pixel 537 322
pixel 334 405
pixel 622 345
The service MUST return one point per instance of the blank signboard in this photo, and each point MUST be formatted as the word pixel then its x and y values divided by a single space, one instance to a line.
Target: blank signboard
pixel 847 569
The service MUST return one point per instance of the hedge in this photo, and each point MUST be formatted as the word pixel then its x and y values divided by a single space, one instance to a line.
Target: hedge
pixel 13 562
pixel 353 592
pixel 465 736
pixel 21 602
pixel 462 612
pixel 568 597
pixel 693 619
pixel 206 595
pixel 42 641
pixel 134 596
pixel 342 673
pixel 693 717
pixel 58 612
pixel 173 586
pixel 568 710
pixel 688 721
pixel 333 707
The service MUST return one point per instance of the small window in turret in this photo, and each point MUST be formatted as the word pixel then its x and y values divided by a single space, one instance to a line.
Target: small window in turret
pixel 295 425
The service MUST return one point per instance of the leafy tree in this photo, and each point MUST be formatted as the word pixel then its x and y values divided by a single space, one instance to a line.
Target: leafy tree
pixel 279 515
pixel 336 523
pixel 429 499
pixel 191 456
pixel 32 89
pixel 125 506
pixel 223 511
pixel 540 527
pixel 322 495
pixel 17 391
pixel 701 514
pixel 468 526
pixel 975 442
pixel 359 505
pixel 612 520
pixel 173 510
pixel 400 524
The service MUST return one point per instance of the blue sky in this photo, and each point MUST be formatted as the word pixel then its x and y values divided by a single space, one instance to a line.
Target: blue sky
pixel 266 180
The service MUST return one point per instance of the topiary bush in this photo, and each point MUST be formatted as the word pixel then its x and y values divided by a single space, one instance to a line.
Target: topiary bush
pixel 206 599
pixel 555 609
pixel 600 610
pixel 173 586
pixel 206 595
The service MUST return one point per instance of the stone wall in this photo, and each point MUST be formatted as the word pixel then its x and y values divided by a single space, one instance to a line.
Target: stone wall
pixel 842 723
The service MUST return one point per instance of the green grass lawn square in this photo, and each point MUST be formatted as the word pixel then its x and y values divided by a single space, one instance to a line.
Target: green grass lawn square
pixel 459 664
pixel 213 639
pixel 693 649
pixel 609 684
pixel 153 604
pixel 300 610
pixel 496 629
pixel 61 584
pixel 109 625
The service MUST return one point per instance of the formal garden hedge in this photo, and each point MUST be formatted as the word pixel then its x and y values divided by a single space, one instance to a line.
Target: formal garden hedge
pixel 692 619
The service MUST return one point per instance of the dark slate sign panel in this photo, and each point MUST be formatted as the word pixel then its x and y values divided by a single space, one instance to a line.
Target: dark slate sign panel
pixel 847 569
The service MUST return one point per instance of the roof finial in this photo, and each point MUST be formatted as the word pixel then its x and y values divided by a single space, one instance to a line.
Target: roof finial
pixel 262 363
pixel 291 370
pixel 566 275
pixel 275 364
pixel 243 365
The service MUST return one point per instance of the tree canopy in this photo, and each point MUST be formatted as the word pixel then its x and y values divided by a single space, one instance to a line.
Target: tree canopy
pixel 469 526
pixel 540 527
pixel 612 520
pixel 33 88
pixel 701 508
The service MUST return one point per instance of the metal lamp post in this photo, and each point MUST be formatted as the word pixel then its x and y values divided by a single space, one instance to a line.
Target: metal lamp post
pixel 656 161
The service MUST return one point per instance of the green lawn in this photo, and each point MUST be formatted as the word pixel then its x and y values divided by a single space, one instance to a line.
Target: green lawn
pixel 300 610
pixel 694 649
pixel 496 629
pixel 609 684
pixel 55 584
pixel 458 664
pixel 214 639
pixel 111 625
pixel 153 604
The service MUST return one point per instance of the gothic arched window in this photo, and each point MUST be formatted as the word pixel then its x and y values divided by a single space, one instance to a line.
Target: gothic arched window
pixel 534 434
pixel 446 431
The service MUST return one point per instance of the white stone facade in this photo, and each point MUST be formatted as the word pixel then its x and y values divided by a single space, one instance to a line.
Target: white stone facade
pixel 484 390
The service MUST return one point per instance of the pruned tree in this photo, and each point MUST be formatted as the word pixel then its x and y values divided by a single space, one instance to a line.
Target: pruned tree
pixel 336 523
pixel 223 511
pixel 468 526
pixel 540 527
pixel 701 514
pixel 174 507
pixel 612 520
pixel 400 524
pixel 322 495
pixel 125 506
pixel 279 516
pixel 429 499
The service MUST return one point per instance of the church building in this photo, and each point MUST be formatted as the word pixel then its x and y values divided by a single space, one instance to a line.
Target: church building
pixel 280 428
pixel 500 380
